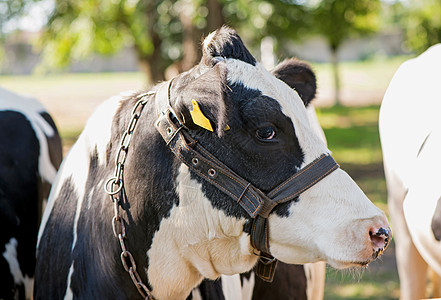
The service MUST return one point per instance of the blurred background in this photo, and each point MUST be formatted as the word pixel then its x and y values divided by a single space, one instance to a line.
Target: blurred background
pixel 74 54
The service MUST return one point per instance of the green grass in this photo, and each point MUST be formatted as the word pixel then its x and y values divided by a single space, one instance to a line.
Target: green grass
pixel 366 285
pixel 352 134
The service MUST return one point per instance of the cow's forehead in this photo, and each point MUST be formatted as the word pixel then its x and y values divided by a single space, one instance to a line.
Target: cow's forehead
pixel 258 78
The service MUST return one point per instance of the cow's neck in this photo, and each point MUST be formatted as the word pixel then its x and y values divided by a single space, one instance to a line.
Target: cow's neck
pixel 182 246
pixel 188 248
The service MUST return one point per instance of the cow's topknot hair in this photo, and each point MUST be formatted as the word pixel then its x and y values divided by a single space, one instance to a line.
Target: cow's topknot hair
pixel 225 43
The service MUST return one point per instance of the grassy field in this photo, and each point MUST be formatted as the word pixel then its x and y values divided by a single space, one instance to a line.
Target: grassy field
pixel 351 131
pixel 352 134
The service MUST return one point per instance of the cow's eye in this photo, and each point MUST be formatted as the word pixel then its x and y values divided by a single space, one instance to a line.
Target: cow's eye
pixel 267 133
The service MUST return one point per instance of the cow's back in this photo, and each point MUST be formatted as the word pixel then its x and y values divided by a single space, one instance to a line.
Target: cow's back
pixel 410 131
pixel 30 153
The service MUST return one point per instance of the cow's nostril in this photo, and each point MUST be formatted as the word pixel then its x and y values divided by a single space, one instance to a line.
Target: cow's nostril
pixel 379 238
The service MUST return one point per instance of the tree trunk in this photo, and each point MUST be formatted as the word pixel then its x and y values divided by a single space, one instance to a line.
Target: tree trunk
pixel 336 73
pixel 152 65
pixel 189 37
pixel 215 18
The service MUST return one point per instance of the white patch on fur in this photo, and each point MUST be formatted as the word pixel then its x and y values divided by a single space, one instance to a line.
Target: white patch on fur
pixel 196 294
pixel 409 111
pixel 315 280
pixel 31 109
pixel 231 287
pixel 421 200
pixel 207 40
pixel 69 295
pixel 201 241
pixel 248 287
pixel 10 256
pixel 96 135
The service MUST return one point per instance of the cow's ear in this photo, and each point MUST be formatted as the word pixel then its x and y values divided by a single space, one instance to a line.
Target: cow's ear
pixel 225 43
pixel 299 76
pixel 202 101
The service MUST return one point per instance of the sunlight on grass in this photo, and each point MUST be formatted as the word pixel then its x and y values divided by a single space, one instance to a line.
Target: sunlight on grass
pixel 365 76
pixel 352 134
pixel 364 284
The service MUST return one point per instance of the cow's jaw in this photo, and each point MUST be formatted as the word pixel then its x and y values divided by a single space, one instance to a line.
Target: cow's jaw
pixel 196 241
pixel 330 222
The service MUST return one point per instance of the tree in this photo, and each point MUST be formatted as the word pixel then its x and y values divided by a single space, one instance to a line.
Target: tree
pixel 421 20
pixel 162 32
pixel 338 20
pixel 78 28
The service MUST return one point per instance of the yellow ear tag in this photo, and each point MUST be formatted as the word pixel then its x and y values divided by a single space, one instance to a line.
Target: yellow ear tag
pixel 198 117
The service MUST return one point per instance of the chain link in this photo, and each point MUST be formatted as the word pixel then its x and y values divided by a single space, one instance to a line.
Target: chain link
pixel 113 187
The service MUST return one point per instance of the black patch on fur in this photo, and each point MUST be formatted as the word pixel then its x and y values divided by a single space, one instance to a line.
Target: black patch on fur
pixel 289 283
pixel 19 153
pixel 226 43
pixel 210 290
pixel 436 221
pixel 208 89
pixel 265 165
pixel 299 76
pixel 55 246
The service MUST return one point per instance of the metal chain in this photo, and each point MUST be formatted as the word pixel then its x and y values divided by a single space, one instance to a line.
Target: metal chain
pixel 113 187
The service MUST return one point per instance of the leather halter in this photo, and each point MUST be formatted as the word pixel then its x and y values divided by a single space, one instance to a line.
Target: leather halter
pixel 257 204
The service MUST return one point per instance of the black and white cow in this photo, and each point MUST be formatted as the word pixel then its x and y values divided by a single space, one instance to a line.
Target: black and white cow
pixel 30 154
pixel 410 130
pixel 184 224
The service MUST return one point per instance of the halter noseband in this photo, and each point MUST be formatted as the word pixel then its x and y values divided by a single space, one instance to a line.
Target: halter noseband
pixel 256 203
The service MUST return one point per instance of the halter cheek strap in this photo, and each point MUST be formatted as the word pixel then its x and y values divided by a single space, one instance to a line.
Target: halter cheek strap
pixel 256 203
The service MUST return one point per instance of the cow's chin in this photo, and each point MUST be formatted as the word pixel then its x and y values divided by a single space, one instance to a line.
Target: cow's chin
pixel 298 255
pixel 341 264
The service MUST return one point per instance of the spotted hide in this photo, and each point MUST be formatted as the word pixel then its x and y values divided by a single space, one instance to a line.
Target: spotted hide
pixel 181 225
pixel 410 130
pixel 30 153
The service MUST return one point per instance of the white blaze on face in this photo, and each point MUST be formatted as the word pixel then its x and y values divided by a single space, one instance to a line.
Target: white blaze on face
pixel 332 219
pixel 201 241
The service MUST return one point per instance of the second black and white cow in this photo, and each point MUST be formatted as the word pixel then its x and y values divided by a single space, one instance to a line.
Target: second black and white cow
pixel 223 170
pixel 30 153
pixel 410 130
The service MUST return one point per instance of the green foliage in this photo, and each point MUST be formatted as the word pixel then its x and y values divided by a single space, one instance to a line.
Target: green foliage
pixel 80 27
pixel 283 20
pixel 422 23
pixel 338 20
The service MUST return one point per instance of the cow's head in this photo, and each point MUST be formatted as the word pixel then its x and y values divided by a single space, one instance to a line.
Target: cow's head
pixel 260 129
